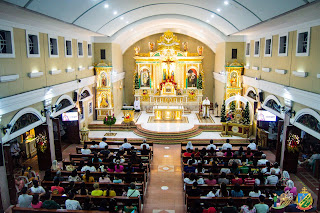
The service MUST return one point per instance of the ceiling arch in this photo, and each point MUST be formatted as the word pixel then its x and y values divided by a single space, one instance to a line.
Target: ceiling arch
pixel 109 16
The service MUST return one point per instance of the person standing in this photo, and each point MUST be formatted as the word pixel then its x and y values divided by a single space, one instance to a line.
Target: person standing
pixel 137 105
pixel 206 108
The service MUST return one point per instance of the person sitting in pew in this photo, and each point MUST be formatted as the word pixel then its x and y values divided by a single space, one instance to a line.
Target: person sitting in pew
pixel 132 191
pixel 24 200
pixel 36 188
pixel 230 208
pixel 196 207
pixel 72 166
pixel 285 177
pixel 36 203
pixel 267 169
pixel 89 167
pixel 211 145
pixel 252 145
pixel 85 150
pixel 189 168
pixel 261 180
pixel 225 170
pixel 208 208
pixel 244 169
pixel 249 152
pixel 191 179
pixel 104 178
pixel 263 160
pixel 110 167
pixel 222 191
pixel 126 144
pixel 87 204
pixel 118 167
pixel 193 160
pixel 56 188
pixel 103 205
pixel 146 144
pixel 105 152
pixel 48 203
pixel 109 192
pixel 250 180
pixel 211 180
pixel 103 143
pixel 258 153
pixel 239 152
pixel 223 178
pixel 87 177
pixel 214 168
pixel 81 165
pixel 261 207
pixel 272 179
pixel 279 189
pixel 188 153
pixel 120 158
pixel 97 191
pixel 255 192
pixel 189 145
pixel 58 176
pixel 237 192
pixel 248 208
pixel 47 175
pixel 82 190
pixel 194 191
pixel 200 168
pixel 236 179
pixel 254 168
pixel 74 176
pixel 197 153
pixel 234 168
pixel 95 158
pixel 94 145
pixel 235 159
pixel 226 145
pixel 71 203
pixel 228 153
pixel 116 180
pixel 70 188
pixel 276 168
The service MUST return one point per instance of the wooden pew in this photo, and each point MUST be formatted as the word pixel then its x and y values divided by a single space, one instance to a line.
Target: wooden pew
pixel 208 157
pixel 78 157
pixel 216 175
pixel 119 143
pixel 78 149
pixel 207 166
pixel 17 209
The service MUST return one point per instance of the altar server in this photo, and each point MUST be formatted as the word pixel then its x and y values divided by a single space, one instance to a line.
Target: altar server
pixel 206 108
pixel 137 105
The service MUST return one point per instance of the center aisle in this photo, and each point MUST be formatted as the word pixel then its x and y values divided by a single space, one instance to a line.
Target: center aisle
pixel 165 188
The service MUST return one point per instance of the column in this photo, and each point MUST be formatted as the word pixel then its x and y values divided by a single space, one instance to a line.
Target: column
pixel 286 122
pixel 48 110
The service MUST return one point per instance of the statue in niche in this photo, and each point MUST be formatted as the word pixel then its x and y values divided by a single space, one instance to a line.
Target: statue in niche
pixel 185 46
pixel 151 46
pixel 104 103
pixel 233 80
pixel 145 78
pixel 136 50
pixel 200 50
pixel 192 78
pixel 104 81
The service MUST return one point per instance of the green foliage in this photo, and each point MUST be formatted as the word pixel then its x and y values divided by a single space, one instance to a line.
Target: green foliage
pixel 109 120
pixel 136 81
pixel 246 115
pixel 200 82
pixel 233 106
pixel 223 112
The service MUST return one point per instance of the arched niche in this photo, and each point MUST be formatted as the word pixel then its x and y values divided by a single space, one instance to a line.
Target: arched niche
pixel 251 94
pixel 273 105
pixel 85 94
pixel 243 100
pixel 145 77
pixel 23 121
pixel 66 103
pixel 308 120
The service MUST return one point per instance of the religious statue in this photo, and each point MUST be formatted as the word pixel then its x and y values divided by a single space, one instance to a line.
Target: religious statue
pixel 104 101
pixel 200 50
pixel 185 46
pixel 206 108
pixel 151 46
pixel 137 105
pixel 103 80
pixel 172 75
pixel 145 78
pixel 137 50
pixel 192 78
pixel 233 80
pixel 164 75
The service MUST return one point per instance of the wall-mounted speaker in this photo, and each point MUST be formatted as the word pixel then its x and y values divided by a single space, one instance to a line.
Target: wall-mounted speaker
pixel 75 96
pixel 261 99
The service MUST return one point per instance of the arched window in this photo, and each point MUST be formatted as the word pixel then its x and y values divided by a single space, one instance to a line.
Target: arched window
pixel 24 121
pixel 84 94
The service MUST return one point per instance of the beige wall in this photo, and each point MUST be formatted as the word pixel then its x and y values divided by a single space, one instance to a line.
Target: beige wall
pixel 290 63
pixel 23 65
pixel 228 51
pixel 97 55
pixel 129 63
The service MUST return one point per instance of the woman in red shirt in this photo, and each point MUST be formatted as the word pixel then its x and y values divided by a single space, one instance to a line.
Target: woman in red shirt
pixel 236 179
pixel 249 180
pixel 210 180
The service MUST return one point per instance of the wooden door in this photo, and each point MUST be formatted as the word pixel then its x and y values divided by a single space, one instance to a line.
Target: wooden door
pixel 290 161
pixel 278 151
pixel 10 174
pixel 44 156
pixel 57 138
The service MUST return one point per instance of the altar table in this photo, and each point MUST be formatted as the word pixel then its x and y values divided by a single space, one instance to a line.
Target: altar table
pixel 168 112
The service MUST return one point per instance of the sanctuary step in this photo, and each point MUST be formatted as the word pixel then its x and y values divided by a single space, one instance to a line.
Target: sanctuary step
pixel 116 127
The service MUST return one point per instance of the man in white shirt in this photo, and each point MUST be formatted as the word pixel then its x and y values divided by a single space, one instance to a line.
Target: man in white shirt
pixel 103 143
pixel 137 105
pixel 206 108
pixel 211 145
pixel 252 145
pixel 89 167
pixel 24 199
pixel 226 145
pixel 85 150
pixel 72 204
pixel 145 143
pixel 94 145
pixel 263 160
pixel 126 145
pixel 272 179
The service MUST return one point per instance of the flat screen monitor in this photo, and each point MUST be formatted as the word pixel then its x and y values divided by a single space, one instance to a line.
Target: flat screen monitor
pixel 69 116
pixel 264 115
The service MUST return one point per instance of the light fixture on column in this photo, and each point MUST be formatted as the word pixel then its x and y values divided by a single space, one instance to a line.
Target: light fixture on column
pixel 35 74
pixel 55 72
pixel 69 70
pixel 81 68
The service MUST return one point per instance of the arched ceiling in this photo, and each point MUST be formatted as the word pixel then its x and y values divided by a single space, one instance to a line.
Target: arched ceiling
pixel 110 16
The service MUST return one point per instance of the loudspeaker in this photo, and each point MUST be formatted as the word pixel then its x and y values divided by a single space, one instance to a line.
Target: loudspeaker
pixel 261 97
pixel 75 96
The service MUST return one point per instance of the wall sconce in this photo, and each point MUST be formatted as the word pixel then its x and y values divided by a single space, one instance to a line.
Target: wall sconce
pixel 54 72
pixel 288 111
pixel 300 74
pixel 90 67
pixel 69 70
pixel 8 78
pixel 81 68
pixel 120 87
pixel 35 74
pixel 4 128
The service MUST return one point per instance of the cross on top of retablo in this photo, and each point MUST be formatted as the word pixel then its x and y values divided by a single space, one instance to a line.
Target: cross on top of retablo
pixel 304 190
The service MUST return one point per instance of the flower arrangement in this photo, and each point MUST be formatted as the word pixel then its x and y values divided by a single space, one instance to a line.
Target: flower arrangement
pixel 192 94
pixel 293 143
pixel 42 142
pixel 109 120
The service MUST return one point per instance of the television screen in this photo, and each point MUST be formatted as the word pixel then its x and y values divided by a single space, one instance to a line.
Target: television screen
pixel 69 116
pixel 264 115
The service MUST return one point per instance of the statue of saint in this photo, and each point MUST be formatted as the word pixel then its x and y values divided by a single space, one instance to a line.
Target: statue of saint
pixel 103 80
pixel 104 101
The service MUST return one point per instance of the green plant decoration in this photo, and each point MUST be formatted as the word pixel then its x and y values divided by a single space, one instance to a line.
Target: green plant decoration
pixel 109 120
pixel 246 115
pixel 223 112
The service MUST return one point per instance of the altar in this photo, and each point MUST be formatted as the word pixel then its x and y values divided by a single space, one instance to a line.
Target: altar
pixel 168 76
pixel 168 112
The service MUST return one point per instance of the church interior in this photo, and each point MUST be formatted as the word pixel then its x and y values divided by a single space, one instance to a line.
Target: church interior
pixel 160 106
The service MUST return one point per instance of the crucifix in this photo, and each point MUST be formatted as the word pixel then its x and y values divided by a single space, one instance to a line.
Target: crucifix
pixel 168 61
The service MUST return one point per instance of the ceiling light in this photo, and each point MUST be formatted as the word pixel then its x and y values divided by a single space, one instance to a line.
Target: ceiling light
pixel 208 21
pixel 127 22
pixel 115 13
pixel 226 2
pixel 106 6
pixel 121 18
pixel 212 16
pixel 218 9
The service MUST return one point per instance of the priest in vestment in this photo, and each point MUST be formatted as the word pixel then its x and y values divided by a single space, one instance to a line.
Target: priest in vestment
pixel 206 108
pixel 137 105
